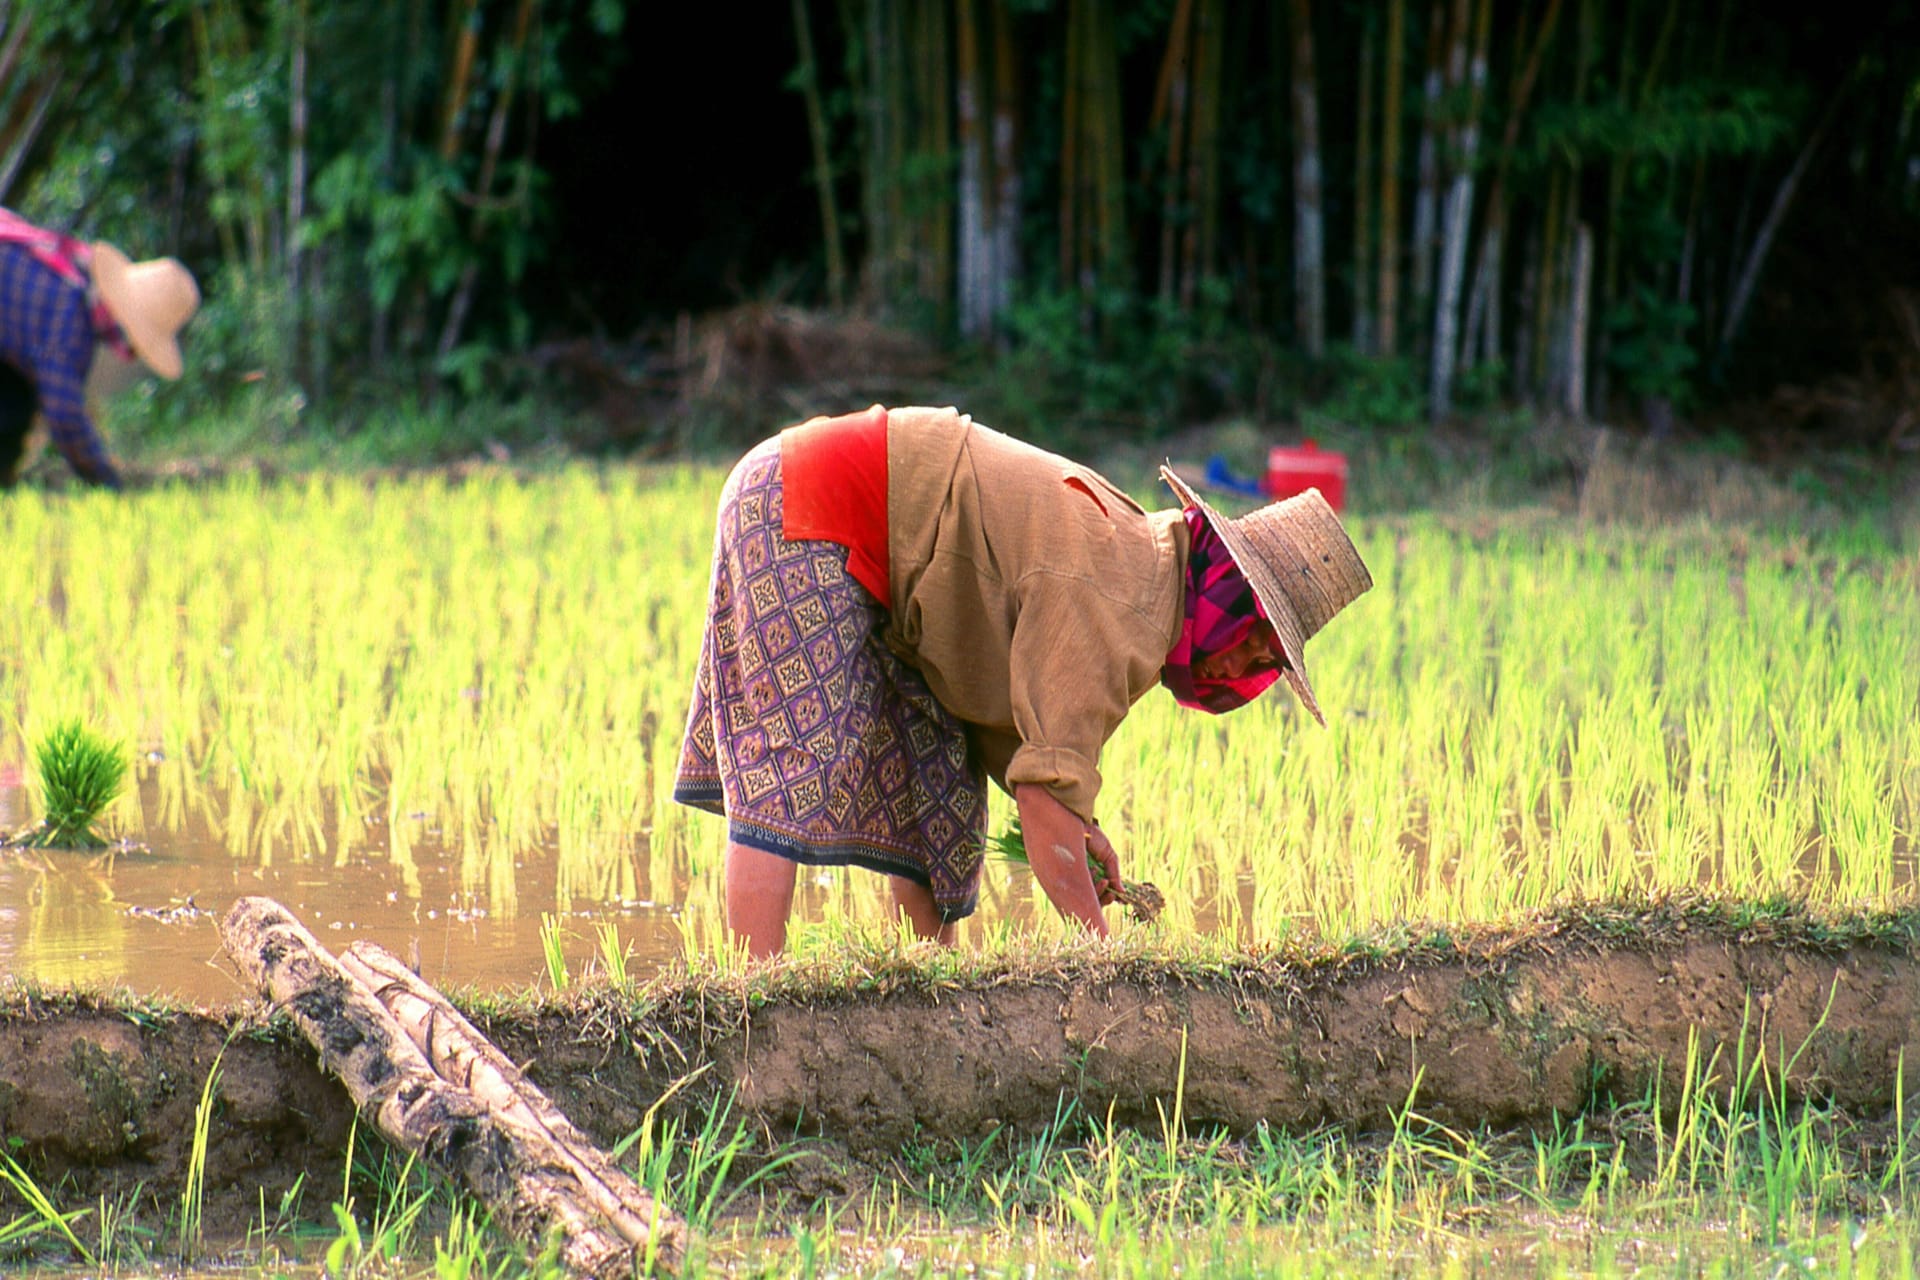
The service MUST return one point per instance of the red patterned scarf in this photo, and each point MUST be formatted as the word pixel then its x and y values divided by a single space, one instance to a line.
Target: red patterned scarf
pixel 1220 609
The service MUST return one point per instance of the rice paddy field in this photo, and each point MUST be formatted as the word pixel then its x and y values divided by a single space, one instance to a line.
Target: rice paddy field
pixel 442 712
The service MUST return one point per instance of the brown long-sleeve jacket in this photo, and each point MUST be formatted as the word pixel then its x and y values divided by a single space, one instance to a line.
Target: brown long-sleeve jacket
pixel 1038 600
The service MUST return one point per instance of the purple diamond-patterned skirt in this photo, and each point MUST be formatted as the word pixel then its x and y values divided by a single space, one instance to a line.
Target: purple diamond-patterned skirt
pixel 811 737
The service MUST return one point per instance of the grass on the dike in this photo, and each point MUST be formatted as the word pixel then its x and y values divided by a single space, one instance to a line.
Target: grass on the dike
pixel 1731 1179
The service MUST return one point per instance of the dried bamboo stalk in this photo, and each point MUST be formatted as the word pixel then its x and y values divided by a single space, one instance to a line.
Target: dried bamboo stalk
pixel 524 1179
pixel 459 1054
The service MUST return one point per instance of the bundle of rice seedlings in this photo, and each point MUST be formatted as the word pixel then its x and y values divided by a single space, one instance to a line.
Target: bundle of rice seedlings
pixel 81 773
pixel 1140 897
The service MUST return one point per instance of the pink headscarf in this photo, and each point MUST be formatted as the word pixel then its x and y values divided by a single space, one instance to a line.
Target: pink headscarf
pixel 1220 610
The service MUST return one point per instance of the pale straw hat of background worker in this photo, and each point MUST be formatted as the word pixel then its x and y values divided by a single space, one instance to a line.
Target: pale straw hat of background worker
pixel 151 301
pixel 1303 567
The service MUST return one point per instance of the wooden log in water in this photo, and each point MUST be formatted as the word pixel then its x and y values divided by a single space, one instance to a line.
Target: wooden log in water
pixel 530 1186
pixel 460 1054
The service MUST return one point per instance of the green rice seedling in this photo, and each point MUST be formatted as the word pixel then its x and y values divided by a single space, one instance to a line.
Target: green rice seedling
pixel 1557 1157
pixel 121 1238
pixel 613 954
pixel 1424 1199
pixel 42 1215
pixel 394 1229
pixel 193 1193
pixel 266 1227
pixel 1793 1160
pixel 1098 1207
pixel 1895 1176
pixel 1690 1124
pixel 955 1174
pixel 81 773
pixel 1522 709
pixel 22 1228
pixel 812 1250
pixel 17 1234
pixel 687 1168
pixel 391 1235
pixel 1173 1133
pixel 460 1252
pixel 1022 1181
pixel 346 1169
pixel 552 949
pixel 348 1250
pixel 469 1250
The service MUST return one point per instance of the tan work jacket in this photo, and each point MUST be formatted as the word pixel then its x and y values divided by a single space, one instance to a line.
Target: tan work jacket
pixel 1038 600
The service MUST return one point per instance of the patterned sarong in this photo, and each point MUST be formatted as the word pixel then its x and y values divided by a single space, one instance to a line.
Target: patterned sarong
pixel 812 738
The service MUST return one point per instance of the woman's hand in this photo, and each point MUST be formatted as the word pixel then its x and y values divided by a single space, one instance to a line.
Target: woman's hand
pixel 1101 850
pixel 1057 846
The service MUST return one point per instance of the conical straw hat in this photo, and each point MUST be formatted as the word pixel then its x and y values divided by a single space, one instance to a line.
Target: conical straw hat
pixel 1303 568
pixel 150 300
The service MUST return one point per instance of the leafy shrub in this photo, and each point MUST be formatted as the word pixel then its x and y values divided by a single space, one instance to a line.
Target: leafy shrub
pixel 1650 350
pixel 1371 391
pixel 1073 362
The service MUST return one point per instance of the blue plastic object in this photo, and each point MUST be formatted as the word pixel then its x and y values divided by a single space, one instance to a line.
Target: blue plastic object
pixel 1218 476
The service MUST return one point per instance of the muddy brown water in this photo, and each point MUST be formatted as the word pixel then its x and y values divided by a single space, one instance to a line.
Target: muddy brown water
pixel 146 923
pixel 143 917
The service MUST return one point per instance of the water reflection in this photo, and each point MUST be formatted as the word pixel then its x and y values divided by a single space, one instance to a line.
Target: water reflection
pixel 465 902
pixel 59 921
pixel 144 917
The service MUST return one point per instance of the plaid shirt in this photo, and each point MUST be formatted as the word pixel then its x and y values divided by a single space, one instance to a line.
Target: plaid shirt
pixel 47 332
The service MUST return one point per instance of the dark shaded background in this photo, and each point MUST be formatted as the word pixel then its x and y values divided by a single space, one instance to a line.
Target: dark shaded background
pixel 685 185
pixel 685 182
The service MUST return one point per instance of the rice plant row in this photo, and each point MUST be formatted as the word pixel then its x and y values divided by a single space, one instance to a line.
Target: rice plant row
pixel 498 666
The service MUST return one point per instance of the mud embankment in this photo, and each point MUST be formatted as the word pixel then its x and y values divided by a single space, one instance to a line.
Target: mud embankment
pixel 1502 1028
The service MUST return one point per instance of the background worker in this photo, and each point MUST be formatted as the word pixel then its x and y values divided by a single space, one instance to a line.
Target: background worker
pixel 75 315
pixel 904 603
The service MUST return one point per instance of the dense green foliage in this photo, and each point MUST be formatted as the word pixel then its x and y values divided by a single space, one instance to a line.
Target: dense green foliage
pixel 1134 212
pixel 355 184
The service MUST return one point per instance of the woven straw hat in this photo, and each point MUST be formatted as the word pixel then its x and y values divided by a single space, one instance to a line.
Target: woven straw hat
pixel 1302 565
pixel 151 301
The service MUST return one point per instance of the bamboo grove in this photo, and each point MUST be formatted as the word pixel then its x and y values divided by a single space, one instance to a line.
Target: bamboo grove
pixel 1568 201
pixel 1605 207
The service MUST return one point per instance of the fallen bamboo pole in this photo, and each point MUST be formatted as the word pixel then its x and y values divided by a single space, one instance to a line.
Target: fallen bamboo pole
pixel 459 1054
pixel 525 1178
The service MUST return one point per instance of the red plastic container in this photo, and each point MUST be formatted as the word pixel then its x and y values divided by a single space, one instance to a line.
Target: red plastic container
pixel 1293 470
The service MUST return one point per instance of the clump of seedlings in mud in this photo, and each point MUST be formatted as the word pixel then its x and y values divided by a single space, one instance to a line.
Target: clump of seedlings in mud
pixel 81 773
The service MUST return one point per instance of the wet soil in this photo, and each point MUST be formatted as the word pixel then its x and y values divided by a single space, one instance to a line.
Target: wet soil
pixel 1504 1028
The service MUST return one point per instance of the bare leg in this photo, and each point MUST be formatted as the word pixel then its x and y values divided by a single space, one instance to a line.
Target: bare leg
pixel 759 896
pixel 915 903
